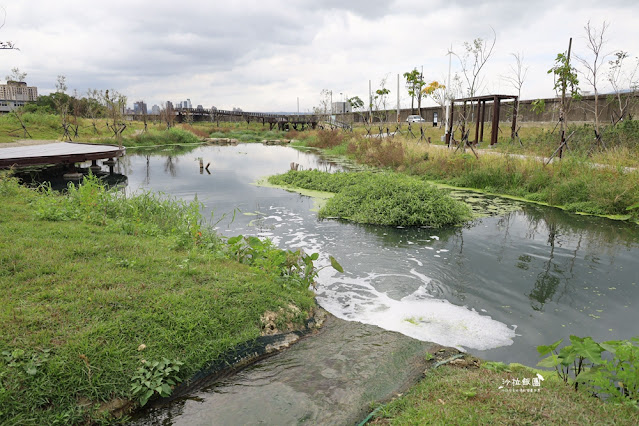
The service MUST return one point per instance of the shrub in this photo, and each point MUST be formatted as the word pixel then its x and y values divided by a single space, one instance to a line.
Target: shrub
pixel 380 198
pixel 393 199
pixel 197 132
pixel 380 152
pixel 327 139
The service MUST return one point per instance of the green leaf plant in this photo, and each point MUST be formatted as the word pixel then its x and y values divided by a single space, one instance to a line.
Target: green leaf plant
pixel 296 266
pixel 157 377
pixel 614 377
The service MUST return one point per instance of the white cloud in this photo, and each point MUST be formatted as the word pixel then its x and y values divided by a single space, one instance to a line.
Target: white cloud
pixel 263 55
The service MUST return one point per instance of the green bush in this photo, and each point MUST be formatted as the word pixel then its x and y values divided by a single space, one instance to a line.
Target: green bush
pixel 380 198
pixel 616 378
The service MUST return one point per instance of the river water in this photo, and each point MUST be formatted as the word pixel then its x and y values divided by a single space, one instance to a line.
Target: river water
pixel 497 287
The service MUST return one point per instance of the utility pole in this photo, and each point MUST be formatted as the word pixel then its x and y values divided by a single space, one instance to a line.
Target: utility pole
pixel 419 100
pixel 397 98
pixel 370 103
pixel 331 104
pixel 448 100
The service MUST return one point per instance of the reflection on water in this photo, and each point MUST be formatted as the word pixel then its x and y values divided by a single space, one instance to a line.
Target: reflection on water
pixel 498 287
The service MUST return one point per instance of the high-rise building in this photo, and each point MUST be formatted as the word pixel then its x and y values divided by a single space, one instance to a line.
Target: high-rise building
pixel 18 91
pixel 15 94
pixel 139 108
pixel 155 110
pixel 341 107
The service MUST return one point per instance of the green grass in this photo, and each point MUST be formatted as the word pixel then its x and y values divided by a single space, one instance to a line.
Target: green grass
pixel 456 395
pixel 249 135
pixel 89 277
pixel 154 138
pixel 600 184
pixel 380 198
pixel 573 183
pixel 49 127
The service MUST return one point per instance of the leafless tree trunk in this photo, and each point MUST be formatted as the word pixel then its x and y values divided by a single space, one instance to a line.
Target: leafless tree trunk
pixel 474 59
pixel 115 103
pixel 93 103
pixel 167 115
pixel 592 68
pixel 620 79
pixel 516 79
pixel 5 44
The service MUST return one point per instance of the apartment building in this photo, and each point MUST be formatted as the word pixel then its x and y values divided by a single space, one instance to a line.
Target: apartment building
pixel 15 94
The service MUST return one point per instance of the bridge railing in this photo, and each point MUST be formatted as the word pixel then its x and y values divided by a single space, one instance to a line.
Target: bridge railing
pixel 278 117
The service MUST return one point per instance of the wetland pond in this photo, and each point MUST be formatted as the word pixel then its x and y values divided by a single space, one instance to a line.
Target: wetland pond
pixel 496 287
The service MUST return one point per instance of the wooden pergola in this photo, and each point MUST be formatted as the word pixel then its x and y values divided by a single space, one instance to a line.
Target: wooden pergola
pixel 480 117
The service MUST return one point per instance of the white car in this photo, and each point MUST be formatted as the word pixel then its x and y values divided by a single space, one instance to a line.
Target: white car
pixel 415 119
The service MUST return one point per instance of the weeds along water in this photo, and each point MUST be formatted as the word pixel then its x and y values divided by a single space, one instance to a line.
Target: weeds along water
pixel 380 198
pixel 101 288
pixel 575 183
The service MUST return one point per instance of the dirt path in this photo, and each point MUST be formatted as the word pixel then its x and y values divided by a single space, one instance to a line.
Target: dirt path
pixel 26 142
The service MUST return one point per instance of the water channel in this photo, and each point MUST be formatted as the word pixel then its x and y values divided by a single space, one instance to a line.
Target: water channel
pixel 497 287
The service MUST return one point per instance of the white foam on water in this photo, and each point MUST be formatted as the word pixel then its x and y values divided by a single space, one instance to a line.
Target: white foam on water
pixel 416 261
pixel 419 315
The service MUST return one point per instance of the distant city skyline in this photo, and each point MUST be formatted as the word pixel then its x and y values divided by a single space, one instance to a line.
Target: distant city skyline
pixel 252 56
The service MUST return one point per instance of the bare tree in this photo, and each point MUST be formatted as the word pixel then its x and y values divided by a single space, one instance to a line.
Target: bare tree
pixel 5 44
pixel 516 79
pixel 622 78
pixel 115 103
pixel 61 102
pixel 473 60
pixel 324 108
pixel 16 75
pixel 75 108
pixel 167 115
pixel 93 107
pixel 592 66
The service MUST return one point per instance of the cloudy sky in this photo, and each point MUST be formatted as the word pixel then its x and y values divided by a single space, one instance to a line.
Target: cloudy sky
pixel 264 55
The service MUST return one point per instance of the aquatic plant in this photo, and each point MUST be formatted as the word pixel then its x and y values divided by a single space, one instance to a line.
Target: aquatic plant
pixel 294 266
pixel 380 198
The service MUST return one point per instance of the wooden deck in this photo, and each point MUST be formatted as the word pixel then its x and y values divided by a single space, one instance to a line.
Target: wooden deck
pixel 56 153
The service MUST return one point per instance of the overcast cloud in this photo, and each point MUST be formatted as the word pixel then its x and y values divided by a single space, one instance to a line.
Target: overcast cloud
pixel 263 55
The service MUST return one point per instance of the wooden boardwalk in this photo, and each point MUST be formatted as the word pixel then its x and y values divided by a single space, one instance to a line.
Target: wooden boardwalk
pixel 56 153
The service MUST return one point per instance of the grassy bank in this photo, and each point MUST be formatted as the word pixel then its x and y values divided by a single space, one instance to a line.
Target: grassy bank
pixel 380 198
pixel 42 126
pixel 542 139
pixel 575 183
pixel 97 288
pixel 466 392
